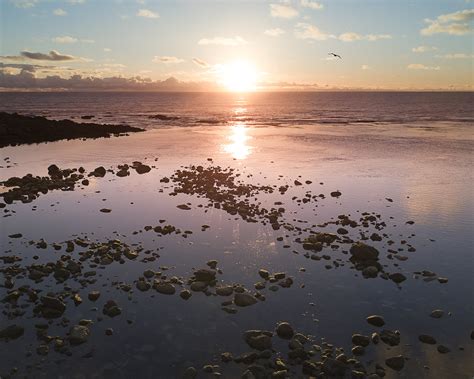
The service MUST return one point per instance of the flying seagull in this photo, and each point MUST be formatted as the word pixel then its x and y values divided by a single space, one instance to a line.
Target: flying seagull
pixel 335 55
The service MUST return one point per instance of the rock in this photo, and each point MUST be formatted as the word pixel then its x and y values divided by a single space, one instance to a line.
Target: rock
pixel 183 207
pixel 164 288
pixel 212 264
pixel 109 331
pixel 358 350
pixel 99 172
pixel 284 330
pixel 390 338
pixel 77 299
pixel 111 309
pixel 258 339
pixel 264 273
pixel 362 252
pixel 142 169
pixel 443 349
pixel 42 350
pixel 376 320
pixel 244 299
pixel 142 285
pixel 395 363
pixel 427 339
pixel 370 272
pixel 226 357
pixel 53 303
pixel 224 290
pixel 93 295
pixel 190 373
pixel 78 334
pixel 361 340
pixel 12 332
pixel 198 286
pixel 336 193
pixel 437 313
pixel 148 274
pixel 205 275
pixel 397 277
pixel 16 235
pixel 185 294
pixel 105 210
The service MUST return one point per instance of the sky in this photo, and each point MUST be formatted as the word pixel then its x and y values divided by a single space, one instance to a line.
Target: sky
pixel 236 45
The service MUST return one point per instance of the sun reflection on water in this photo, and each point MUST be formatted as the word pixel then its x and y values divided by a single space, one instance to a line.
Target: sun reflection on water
pixel 238 147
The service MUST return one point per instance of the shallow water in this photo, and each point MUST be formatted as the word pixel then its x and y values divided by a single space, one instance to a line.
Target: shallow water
pixel 425 167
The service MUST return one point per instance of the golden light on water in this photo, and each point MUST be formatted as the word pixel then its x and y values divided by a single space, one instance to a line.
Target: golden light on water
pixel 238 147
pixel 239 76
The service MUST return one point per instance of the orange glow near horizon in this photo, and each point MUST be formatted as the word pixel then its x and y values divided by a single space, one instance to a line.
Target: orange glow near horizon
pixel 239 76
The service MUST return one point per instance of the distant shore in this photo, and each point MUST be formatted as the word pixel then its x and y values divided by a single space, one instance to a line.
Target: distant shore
pixel 16 129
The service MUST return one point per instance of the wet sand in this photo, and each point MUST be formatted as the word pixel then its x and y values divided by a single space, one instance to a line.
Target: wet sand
pixel 379 177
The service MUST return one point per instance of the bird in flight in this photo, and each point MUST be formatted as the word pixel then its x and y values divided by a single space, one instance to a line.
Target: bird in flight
pixel 335 55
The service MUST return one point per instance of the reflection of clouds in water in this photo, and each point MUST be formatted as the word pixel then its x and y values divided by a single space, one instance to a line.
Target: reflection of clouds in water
pixel 238 147
pixel 426 203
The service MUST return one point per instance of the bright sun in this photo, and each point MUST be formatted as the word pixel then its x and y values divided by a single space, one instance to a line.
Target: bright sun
pixel 239 76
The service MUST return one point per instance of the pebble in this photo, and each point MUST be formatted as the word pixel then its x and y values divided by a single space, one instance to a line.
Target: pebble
pixel 395 363
pixel 437 313
pixel 284 330
pixel 427 339
pixel 244 299
pixel 376 320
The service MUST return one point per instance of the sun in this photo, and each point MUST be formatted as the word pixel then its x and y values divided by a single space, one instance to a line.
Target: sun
pixel 239 76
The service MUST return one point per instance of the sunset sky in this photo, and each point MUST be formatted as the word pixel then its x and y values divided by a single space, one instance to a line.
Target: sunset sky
pixel 139 44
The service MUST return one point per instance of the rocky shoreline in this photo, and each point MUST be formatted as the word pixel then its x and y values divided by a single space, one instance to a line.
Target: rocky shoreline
pixel 17 129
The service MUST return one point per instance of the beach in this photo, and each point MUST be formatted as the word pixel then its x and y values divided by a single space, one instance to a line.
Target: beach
pixel 245 219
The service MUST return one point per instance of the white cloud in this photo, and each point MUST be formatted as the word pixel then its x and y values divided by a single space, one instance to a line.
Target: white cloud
pixel 419 66
pixel 283 11
pixel 200 62
pixel 274 32
pixel 456 23
pixel 311 4
pixel 365 67
pixel 423 49
pixel 24 3
pixel 107 49
pixel 225 41
pixel 76 2
pixel 456 56
pixel 147 13
pixel 351 36
pixel 59 12
pixel 167 60
pixel 307 31
pixel 65 39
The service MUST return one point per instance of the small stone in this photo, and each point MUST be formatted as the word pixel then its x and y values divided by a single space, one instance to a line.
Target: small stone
pixel 109 331
pixel 79 334
pixel 361 252
pixel 12 332
pixel 397 277
pixel 396 363
pixel 358 350
pixel 264 273
pixel 443 349
pixel 361 340
pixel 244 299
pixel 212 264
pixel 165 288
pixel 93 295
pixel 224 290
pixel 284 330
pixel 189 373
pixel 437 313
pixel 427 339
pixel 376 320
pixel 185 294
pixel 205 275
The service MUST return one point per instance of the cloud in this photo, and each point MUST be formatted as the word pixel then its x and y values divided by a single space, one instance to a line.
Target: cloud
pixel 456 56
pixel 307 31
pixel 200 62
pixel 231 41
pixel 59 12
pixel 311 4
pixel 107 49
pixel 274 32
pixel 147 13
pixel 24 3
pixel 167 60
pixel 76 2
pixel 419 66
pixel 365 67
pixel 65 39
pixel 53 55
pixel 283 11
pixel 27 80
pixel 351 37
pixel 456 23
pixel 423 49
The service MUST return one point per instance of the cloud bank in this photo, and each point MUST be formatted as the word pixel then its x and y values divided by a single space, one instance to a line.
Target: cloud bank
pixel 456 23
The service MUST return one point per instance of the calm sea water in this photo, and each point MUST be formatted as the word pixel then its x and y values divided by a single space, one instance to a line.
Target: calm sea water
pixel 414 148
pixel 273 109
